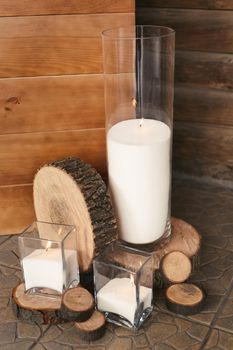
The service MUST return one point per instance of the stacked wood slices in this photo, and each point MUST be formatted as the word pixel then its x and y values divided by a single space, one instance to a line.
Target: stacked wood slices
pixel 75 305
pixel 174 264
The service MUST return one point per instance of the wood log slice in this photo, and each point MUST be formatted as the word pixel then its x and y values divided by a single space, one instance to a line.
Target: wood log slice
pixel 36 308
pixel 92 329
pixel 175 267
pixel 184 299
pixel 77 304
pixel 70 191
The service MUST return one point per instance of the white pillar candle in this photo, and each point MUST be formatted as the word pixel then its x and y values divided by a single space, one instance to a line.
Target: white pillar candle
pixel 44 268
pixel 119 296
pixel 139 177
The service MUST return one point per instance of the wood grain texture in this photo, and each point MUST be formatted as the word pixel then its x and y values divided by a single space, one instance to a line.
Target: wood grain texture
pixel 200 30
pixel 195 4
pixel 204 142
pixel 204 69
pixel 22 154
pixel 16 204
pixel 45 7
pixel 51 103
pixel 203 105
pixel 50 45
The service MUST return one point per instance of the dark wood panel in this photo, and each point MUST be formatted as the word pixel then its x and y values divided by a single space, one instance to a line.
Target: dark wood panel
pixel 50 45
pixel 203 105
pixel 201 30
pixel 22 154
pixel 204 143
pixel 16 208
pixel 43 7
pixel 204 69
pixel 51 103
pixel 208 169
pixel 195 4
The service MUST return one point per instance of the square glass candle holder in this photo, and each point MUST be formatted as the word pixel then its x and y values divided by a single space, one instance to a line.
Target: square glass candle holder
pixel 123 278
pixel 48 256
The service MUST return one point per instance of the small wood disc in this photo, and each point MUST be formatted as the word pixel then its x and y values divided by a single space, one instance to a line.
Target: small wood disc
pixel 77 304
pixel 184 299
pixel 93 328
pixel 34 307
pixel 175 267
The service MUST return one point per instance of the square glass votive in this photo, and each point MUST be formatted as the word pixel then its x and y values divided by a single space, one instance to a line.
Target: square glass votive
pixel 48 256
pixel 123 279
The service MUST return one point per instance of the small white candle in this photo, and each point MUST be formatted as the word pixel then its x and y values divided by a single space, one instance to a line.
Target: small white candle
pixel 139 177
pixel 44 268
pixel 119 296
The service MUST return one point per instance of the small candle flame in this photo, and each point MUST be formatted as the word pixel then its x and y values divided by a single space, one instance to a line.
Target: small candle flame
pixel 48 245
pixel 141 122
pixel 59 231
pixel 132 280
pixel 134 102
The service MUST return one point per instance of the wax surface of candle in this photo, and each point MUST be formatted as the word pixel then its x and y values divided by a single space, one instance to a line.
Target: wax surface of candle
pixel 119 296
pixel 139 177
pixel 44 268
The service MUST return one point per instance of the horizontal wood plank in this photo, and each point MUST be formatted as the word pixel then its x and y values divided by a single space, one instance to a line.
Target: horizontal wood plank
pixel 204 69
pixel 203 105
pixel 51 45
pixel 204 143
pixel 192 4
pixel 16 208
pixel 45 7
pixel 200 30
pixel 51 103
pixel 22 154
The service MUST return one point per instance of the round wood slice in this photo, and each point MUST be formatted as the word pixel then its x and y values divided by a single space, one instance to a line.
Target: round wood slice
pixel 175 267
pixel 77 304
pixel 184 299
pixel 36 308
pixel 70 191
pixel 92 329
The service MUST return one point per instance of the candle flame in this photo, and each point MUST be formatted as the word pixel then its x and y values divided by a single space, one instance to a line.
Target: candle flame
pixel 48 245
pixel 59 231
pixel 141 122
pixel 132 280
pixel 134 102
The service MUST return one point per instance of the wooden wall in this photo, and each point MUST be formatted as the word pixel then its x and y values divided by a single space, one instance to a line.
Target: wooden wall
pixel 203 134
pixel 51 91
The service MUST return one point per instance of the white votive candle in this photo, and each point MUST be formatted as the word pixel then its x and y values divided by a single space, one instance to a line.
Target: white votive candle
pixel 139 178
pixel 44 268
pixel 119 296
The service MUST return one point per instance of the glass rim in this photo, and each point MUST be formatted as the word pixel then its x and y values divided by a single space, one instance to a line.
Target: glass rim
pixel 23 234
pixel 114 33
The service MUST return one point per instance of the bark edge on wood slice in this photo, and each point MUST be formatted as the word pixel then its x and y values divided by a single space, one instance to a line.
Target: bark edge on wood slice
pixel 70 191
pixel 36 308
pixel 77 304
pixel 92 329
pixel 175 267
pixel 184 299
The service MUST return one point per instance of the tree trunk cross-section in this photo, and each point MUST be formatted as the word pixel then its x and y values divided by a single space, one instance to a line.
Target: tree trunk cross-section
pixel 70 191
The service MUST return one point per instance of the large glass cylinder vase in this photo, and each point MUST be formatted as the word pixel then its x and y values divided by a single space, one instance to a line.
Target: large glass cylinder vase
pixel 139 70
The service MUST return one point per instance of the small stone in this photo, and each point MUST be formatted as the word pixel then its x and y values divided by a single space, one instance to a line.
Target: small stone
pixel 8 258
pixel 213 339
pixel 225 340
pixel 26 330
pixel 197 331
pixel 183 325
